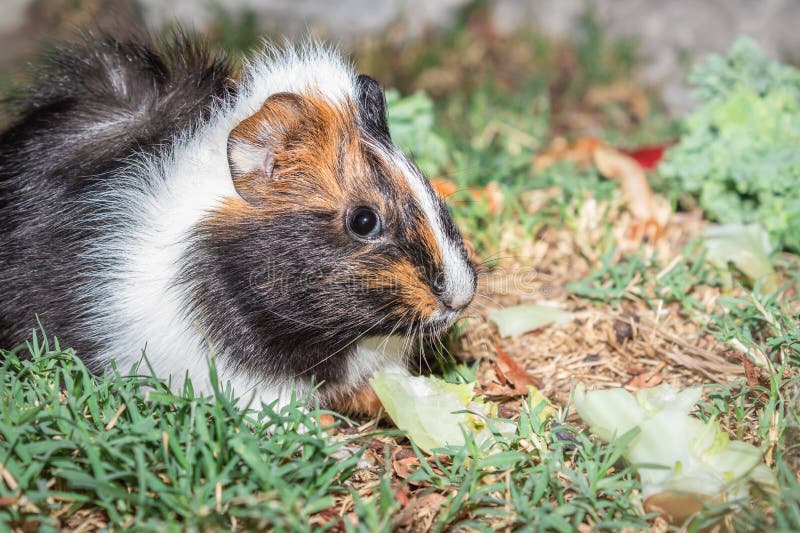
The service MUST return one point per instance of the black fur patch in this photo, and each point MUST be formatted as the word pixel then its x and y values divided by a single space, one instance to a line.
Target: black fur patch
pixel 95 104
pixel 372 106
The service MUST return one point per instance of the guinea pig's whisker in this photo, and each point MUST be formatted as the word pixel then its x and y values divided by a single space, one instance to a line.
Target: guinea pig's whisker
pixel 484 299
pixel 399 323
pixel 294 320
pixel 418 336
pixel 469 170
pixel 422 357
pixel 408 341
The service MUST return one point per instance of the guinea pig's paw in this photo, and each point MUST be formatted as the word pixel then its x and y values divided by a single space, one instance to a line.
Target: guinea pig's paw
pixel 362 402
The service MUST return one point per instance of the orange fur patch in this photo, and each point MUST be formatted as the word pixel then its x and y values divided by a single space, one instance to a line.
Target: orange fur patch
pixel 404 280
pixel 362 401
pixel 317 157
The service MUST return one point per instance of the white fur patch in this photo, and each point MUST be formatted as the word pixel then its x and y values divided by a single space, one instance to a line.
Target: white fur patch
pixel 458 276
pixel 135 302
pixel 374 354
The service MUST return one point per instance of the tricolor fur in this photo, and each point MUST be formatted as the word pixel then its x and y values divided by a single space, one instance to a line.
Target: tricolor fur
pixel 150 203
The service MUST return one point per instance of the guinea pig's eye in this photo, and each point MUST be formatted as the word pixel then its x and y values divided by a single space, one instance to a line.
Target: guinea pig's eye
pixel 364 222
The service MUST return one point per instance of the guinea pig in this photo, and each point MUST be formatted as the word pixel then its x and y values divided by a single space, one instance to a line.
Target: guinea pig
pixel 153 203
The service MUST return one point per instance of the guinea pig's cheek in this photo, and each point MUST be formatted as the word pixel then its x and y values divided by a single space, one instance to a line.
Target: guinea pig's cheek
pixel 420 301
pixel 415 298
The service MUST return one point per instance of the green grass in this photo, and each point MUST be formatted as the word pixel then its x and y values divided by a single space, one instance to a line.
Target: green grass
pixel 144 457
pixel 141 455
pixel 127 446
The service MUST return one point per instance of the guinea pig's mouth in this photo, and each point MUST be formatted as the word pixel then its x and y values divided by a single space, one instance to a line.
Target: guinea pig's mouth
pixel 439 321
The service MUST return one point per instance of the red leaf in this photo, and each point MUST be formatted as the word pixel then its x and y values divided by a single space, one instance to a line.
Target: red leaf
pixel 648 157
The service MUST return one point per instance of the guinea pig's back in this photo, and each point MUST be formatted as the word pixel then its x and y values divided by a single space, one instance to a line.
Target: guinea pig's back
pixel 96 108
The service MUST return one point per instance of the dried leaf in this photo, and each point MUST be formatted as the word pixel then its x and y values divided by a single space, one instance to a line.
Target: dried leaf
pixel 645 379
pixel 513 373
pixel 420 513
pixel 401 495
pixel 7 501
pixel 614 164
pixel 579 152
pixel 444 187
pixel 492 194
pixel 495 391
pixel 405 467
pixel 326 420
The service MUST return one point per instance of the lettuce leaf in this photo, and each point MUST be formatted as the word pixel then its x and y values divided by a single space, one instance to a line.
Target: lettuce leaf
pixel 516 320
pixel 436 414
pixel 675 454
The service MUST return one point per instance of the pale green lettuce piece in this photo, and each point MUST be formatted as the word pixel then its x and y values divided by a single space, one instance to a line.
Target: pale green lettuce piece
pixel 423 408
pixel 519 319
pixel 608 413
pixel 692 456
pixel 535 399
pixel 747 247
pixel 435 414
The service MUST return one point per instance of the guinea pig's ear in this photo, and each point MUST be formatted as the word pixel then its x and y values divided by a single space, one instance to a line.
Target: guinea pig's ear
pixel 372 103
pixel 253 143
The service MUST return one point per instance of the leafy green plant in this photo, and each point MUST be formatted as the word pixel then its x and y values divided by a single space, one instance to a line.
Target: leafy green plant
pixel 411 122
pixel 738 152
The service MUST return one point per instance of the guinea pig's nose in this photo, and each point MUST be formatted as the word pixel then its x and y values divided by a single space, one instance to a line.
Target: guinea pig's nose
pixel 457 300
pixel 456 293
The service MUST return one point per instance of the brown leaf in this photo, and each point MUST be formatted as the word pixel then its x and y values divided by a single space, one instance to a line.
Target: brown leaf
pixel 645 380
pixel 8 501
pixel 614 164
pixel 514 374
pixel 401 495
pixel 326 420
pixel 420 513
pixel 634 369
pixel 404 466
pixel 579 152
pixel 444 187
pixel 754 375
pixel 327 517
pixel 495 391
pixel 491 194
